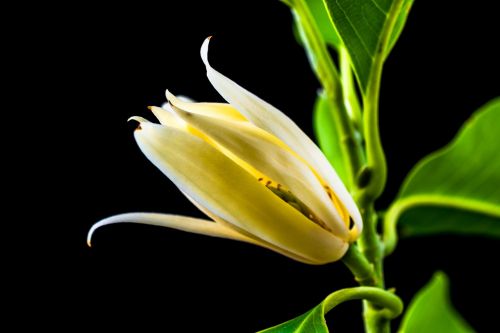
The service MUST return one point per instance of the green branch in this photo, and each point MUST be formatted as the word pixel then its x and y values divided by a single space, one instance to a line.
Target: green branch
pixel 375 172
pixel 360 267
pixel 374 151
pixel 349 89
pixel 376 169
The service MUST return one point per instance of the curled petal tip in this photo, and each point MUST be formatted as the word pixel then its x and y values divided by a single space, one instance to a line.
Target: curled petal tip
pixel 139 119
pixel 90 233
pixel 204 51
pixel 104 222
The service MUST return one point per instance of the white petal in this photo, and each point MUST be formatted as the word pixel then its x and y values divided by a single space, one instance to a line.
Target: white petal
pixel 182 98
pixel 184 223
pixel 225 189
pixel 189 224
pixel 167 116
pixel 138 119
pixel 214 110
pixel 272 158
pixel 267 117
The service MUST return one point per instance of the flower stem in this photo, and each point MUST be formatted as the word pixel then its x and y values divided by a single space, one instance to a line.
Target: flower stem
pixel 349 89
pixel 376 173
pixel 372 248
pixel 371 244
pixel 367 268
pixel 360 267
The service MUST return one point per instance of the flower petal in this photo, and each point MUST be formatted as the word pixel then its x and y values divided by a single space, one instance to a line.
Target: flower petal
pixel 231 193
pixel 214 110
pixel 184 223
pixel 167 117
pixel 272 158
pixel 267 117
pixel 189 224
pixel 252 239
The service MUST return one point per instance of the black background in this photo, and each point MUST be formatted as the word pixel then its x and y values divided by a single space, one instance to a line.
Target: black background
pixel 119 59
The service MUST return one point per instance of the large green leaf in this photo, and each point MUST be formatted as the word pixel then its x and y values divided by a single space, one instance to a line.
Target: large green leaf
pixel 431 311
pixel 328 138
pixel 366 28
pixel 320 16
pixel 456 189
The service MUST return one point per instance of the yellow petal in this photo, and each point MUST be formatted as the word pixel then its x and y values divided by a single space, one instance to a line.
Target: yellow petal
pixel 249 238
pixel 273 159
pixel 225 189
pixel 269 118
pixel 167 117
pixel 214 110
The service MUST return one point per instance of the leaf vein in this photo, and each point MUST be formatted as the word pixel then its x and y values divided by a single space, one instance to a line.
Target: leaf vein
pixel 353 27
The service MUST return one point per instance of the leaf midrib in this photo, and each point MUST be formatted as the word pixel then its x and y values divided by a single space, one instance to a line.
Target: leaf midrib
pixel 476 206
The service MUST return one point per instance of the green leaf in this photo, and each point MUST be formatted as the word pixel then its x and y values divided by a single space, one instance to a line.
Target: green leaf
pixel 328 138
pixel 456 189
pixel 314 32
pixel 431 311
pixel 320 16
pixel 368 28
pixel 311 321
pixel 399 25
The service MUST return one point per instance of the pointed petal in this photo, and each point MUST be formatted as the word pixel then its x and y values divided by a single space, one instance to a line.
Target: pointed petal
pixel 231 193
pixel 167 116
pixel 183 98
pixel 272 158
pixel 267 117
pixel 215 110
pixel 188 224
pixel 184 223
pixel 138 119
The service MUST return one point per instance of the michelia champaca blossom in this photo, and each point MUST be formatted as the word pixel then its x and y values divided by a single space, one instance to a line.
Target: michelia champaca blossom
pixel 252 171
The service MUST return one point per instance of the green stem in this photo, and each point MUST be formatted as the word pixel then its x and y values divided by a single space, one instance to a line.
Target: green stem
pixel 371 244
pixel 389 305
pixel 349 90
pixel 374 151
pixel 350 142
pixel 327 73
pixel 376 173
pixel 360 267
pixel 373 249
pixel 368 270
